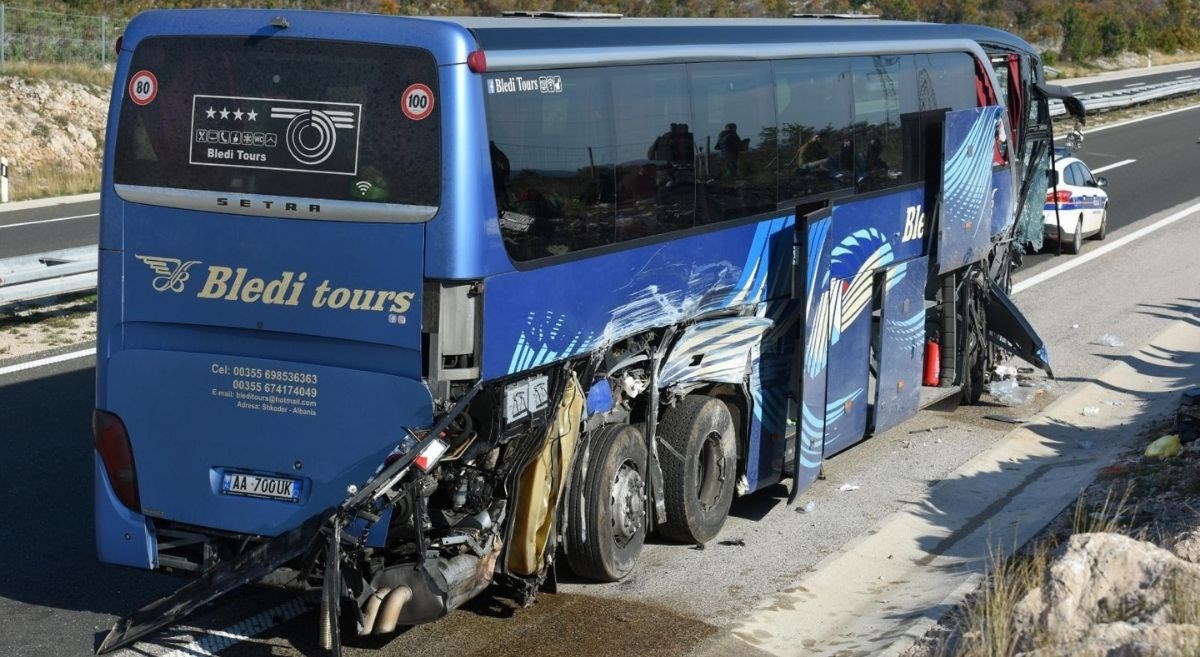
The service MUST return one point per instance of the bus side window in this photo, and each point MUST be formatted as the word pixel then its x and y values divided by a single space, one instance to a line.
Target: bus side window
pixel 552 162
pixel 815 127
pixel 734 109
pixel 654 150
pixel 884 88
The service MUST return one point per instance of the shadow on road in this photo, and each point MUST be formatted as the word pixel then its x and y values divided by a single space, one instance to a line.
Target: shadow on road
pixel 46 538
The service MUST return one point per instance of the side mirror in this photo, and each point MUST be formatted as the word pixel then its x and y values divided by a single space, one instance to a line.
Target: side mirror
pixel 1102 181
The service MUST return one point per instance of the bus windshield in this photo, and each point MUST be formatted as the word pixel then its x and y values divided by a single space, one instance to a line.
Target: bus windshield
pixel 280 118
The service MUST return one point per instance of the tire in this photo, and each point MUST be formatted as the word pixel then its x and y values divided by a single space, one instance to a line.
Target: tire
pixel 608 514
pixel 698 488
pixel 1076 242
pixel 1103 232
pixel 974 345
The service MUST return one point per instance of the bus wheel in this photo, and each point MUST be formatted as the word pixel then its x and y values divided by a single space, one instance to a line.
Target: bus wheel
pixel 699 468
pixel 975 349
pixel 607 519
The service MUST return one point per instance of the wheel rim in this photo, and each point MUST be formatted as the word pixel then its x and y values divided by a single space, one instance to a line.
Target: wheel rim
pixel 628 503
pixel 710 470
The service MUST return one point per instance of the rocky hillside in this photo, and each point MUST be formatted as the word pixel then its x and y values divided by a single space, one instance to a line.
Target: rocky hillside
pixel 50 131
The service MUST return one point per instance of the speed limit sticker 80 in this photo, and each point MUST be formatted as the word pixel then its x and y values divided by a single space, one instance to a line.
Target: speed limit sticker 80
pixel 417 101
pixel 143 87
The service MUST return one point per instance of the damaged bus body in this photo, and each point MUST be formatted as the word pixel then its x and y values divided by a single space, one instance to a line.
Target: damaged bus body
pixel 394 309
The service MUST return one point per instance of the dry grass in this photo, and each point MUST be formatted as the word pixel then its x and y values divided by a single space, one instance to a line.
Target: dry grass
pixel 1073 70
pixel 46 182
pixel 95 76
pixel 983 626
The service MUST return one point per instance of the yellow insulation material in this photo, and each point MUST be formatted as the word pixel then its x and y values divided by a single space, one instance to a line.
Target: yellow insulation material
pixel 541 485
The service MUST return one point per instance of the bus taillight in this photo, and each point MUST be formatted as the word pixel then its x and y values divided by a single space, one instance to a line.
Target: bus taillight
pixel 112 442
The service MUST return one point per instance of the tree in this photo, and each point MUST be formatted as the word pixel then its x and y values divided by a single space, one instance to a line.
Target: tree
pixel 1114 39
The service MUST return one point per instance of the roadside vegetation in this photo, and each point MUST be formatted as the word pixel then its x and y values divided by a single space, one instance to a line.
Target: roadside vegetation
pixel 1117 572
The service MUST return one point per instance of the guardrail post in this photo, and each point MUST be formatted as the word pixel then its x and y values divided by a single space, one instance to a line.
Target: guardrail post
pixel 3 176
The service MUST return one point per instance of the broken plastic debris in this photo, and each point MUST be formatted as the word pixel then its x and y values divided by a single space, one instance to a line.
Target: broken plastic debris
pixel 1074 326
pixel 809 507
pixel 1009 393
pixel 1006 371
pixel 848 487
pixel 1114 402
pixel 733 542
pixel 1090 411
pixel 1110 340
pixel 1164 447
pixel 1005 418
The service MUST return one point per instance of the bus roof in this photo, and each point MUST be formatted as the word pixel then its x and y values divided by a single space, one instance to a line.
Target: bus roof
pixel 530 33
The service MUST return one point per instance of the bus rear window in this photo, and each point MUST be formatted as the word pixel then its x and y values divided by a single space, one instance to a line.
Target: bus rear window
pixel 351 124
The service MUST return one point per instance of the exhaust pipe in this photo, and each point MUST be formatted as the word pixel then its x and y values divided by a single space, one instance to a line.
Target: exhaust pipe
pixel 389 612
pixel 371 610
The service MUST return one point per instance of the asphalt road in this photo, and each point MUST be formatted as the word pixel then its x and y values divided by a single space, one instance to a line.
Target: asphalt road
pixel 55 599
pixel 23 232
pixel 1166 153
pixel 1089 85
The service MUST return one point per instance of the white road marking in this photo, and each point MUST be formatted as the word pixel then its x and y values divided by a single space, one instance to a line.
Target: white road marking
pixel 1110 167
pixel 214 641
pixel 1182 77
pixel 1133 84
pixel 1107 248
pixel 1131 121
pixel 50 360
pixel 50 221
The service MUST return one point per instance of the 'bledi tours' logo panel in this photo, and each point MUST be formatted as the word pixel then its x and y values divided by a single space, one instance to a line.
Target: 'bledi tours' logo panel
pixel 270 133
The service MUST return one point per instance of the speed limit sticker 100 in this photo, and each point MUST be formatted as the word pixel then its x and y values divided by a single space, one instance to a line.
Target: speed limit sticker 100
pixel 417 101
pixel 143 87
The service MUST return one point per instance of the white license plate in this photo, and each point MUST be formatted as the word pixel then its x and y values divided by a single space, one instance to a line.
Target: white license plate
pixel 275 488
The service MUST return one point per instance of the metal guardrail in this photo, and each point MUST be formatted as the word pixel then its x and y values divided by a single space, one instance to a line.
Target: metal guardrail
pixel 1100 101
pixel 41 275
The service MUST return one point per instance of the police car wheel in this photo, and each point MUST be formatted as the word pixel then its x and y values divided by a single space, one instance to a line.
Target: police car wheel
pixel 1103 232
pixel 1076 242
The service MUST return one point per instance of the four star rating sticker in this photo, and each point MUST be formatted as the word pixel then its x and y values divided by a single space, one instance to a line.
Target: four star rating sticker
pixel 212 113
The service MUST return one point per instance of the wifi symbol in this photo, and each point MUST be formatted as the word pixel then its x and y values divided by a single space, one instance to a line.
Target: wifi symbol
pixel 363 187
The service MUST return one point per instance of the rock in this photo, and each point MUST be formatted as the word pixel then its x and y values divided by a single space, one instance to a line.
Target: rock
pixel 1102 579
pixel 1128 640
pixel 1187 546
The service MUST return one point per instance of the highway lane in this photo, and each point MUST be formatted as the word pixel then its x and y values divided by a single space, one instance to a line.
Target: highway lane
pixel 1131 78
pixel 36 230
pixel 1165 152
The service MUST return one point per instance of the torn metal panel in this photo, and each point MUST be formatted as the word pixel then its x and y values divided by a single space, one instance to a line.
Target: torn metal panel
pixel 1008 327
pixel 716 351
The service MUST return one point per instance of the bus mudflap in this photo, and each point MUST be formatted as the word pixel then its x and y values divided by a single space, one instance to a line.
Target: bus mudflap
pixel 1008 328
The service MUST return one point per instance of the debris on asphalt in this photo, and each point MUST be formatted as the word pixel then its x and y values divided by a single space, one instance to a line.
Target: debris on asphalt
pixel 1090 411
pixel 930 429
pixel 1110 340
pixel 1006 372
pixel 808 507
pixel 1006 418
pixel 1009 392
pixel 1164 447
pixel 1074 326
pixel 1112 402
pixel 733 542
pixel 848 487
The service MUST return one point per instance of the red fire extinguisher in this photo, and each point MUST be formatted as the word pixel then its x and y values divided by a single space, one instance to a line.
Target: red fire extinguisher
pixel 933 364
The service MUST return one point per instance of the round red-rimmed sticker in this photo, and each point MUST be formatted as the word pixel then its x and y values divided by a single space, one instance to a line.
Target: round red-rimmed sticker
pixel 417 101
pixel 143 87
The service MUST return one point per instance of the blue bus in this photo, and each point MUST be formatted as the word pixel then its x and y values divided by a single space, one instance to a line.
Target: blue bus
pixel 397 309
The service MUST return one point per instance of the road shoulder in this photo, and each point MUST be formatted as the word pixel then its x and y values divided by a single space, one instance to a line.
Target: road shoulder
pixel 882 591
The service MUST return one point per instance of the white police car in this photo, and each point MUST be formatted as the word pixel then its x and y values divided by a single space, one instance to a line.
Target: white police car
pixel 1082 204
